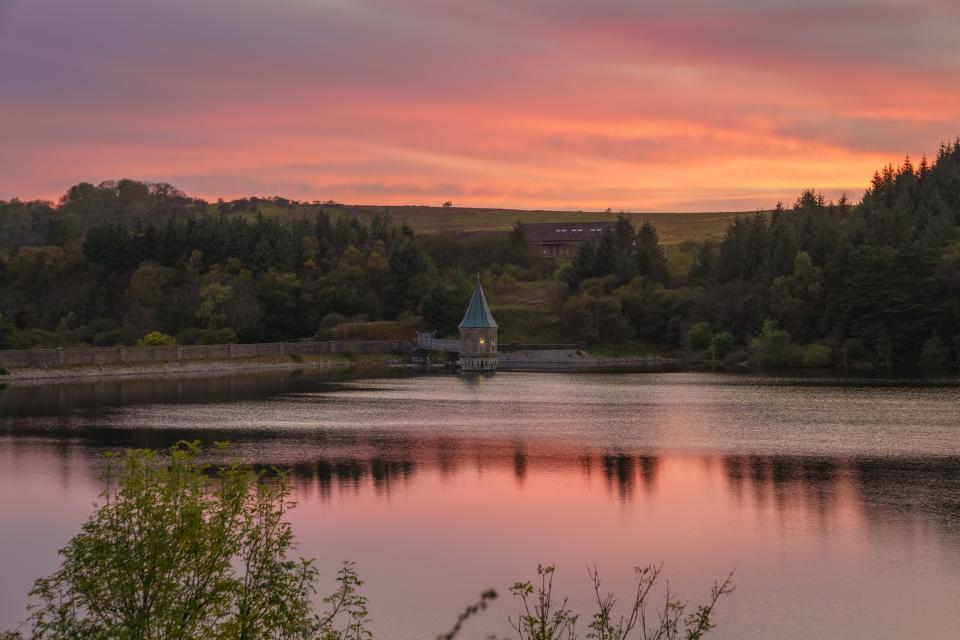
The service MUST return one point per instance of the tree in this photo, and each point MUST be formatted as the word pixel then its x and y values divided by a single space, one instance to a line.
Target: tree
pixel 721 345
pixel 442 307
pixel 518 236
pixel 180 549
pixel 8 334
pixel 212 310
pixel 702 269
pixel 651 260
pixel 768 348
pixel 797 299
pixel 699 336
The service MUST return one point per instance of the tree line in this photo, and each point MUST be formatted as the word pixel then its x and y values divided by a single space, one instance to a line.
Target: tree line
pixel 872 283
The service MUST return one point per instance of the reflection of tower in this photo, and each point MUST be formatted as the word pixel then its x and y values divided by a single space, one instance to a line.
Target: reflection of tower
pixel 478 334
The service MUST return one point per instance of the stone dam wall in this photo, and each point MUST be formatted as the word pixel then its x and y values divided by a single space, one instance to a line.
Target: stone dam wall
pixel 93 356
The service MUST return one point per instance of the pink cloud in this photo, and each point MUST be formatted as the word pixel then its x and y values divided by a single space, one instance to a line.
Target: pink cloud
pixel 613 103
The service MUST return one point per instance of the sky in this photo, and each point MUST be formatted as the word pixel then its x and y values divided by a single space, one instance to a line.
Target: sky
pixel 687 105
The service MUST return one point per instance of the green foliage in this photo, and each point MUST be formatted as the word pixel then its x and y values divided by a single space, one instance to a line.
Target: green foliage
pixel 721 345
pixel 116 260
pixel 816 356
pixel 934 355
pixel 442 307
pixel 623 252
pixel 544 617
pixel 595 314
pixel 9 338
pixel 176 267
pixel 699 336
pixel 769 349
pixel 183 549
pixel 213 300
pixel 156 339
pixel 853 351
pixel 180 549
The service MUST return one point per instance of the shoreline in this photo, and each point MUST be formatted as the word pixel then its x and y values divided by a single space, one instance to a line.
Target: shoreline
pixel 572 359
pixel 546 361
pixel 559 360
pixel 194 367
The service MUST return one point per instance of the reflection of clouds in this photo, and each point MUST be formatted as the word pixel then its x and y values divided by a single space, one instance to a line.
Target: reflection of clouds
pixel 335 465
pixel 622 433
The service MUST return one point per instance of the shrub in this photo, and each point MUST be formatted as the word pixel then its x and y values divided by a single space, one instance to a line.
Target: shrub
pixel 791 356
pixel 699 336
pixel 191 552
pixel 769 349
pixel 721 345
pixel 156 339
pixel 817 356
pixel 39 339
pixel 544 617
pixel 181 549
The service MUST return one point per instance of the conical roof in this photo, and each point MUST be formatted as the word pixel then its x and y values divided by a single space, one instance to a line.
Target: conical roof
pixel 478 314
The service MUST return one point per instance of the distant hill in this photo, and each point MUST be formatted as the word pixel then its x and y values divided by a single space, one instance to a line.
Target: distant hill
pixel 672 227
pixel 85 206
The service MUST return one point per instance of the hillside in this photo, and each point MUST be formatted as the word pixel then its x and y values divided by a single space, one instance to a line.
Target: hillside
pixel 673 228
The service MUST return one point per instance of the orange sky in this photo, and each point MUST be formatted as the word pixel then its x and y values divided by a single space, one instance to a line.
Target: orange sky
pixel 688 105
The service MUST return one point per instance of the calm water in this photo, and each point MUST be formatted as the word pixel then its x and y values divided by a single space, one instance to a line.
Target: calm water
pixel 837 501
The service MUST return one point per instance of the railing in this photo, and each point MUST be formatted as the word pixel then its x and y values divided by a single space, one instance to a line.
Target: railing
pixel 430 343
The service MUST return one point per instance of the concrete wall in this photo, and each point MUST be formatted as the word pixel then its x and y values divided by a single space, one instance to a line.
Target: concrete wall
pixel 46 358
pixel 517 346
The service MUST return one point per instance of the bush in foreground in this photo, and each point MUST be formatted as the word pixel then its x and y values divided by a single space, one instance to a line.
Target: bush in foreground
pixel 156 339
pixel 178 549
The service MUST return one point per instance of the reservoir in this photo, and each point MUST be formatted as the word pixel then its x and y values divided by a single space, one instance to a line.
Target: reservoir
pixel 835 500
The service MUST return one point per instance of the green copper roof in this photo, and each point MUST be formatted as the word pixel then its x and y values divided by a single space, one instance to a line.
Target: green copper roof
pixel 478 314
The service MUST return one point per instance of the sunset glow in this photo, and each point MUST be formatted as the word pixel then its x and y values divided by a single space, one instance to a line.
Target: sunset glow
pixel 681 106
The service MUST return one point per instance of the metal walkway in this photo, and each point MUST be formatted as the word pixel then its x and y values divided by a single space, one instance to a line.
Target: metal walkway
pixel 429 342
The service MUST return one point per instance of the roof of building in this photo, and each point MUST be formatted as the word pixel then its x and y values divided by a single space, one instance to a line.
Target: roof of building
pixel 478 314
pixel 544 232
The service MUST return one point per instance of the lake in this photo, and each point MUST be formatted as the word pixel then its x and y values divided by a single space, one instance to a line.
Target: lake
pixel 837 501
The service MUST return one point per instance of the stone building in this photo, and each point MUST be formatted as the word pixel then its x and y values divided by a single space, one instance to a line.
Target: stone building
pixel 562 239
pixel 478 335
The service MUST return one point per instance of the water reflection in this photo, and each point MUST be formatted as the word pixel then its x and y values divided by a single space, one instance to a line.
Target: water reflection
pixel 336 461
pixel 838 503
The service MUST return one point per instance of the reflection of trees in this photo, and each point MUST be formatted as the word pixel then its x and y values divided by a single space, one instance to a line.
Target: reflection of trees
pixel 899 490
pixel 886 491
pixel 624 471
pixel 811 482
pixel 352 474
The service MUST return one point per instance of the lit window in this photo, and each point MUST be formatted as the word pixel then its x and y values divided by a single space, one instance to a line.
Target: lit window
pixel 483 341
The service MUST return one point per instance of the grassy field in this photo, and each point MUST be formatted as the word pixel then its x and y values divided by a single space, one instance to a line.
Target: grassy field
pixel 673 228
